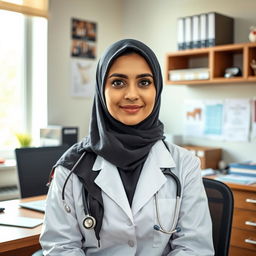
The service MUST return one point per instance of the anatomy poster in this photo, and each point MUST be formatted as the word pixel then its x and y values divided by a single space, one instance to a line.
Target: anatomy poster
pixel 83 75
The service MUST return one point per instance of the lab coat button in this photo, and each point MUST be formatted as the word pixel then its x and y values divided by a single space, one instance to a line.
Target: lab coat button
pixel 131 243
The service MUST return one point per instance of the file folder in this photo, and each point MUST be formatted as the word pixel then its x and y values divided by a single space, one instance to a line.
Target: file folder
pixel 195 32
pixel 220 29
pixel 203 30
pixel 181 34
pixel 188 32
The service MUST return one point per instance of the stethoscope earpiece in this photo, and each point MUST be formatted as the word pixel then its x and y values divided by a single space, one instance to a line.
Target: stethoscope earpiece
pixel 89 222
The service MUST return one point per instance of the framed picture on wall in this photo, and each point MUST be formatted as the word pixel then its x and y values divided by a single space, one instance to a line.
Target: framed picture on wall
pixel 83 38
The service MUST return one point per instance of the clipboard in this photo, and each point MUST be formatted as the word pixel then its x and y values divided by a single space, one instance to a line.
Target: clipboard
pixel 17 221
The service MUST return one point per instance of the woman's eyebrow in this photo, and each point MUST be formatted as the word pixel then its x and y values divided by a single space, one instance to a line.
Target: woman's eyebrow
pixel 125 76
pixel 118 75
pixel 144 75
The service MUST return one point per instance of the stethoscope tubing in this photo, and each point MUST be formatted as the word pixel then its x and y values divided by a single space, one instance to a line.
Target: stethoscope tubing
pixel 166 171
pixel 173 229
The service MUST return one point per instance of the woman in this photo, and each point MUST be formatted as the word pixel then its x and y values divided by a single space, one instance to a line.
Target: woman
pixel 120 176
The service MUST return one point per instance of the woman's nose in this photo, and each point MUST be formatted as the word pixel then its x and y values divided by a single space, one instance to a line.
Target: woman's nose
pixel 131 93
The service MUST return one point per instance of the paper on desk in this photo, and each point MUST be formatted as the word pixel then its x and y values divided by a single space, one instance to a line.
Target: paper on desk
pixel 239 179
pixel 18 221
pixel 236 119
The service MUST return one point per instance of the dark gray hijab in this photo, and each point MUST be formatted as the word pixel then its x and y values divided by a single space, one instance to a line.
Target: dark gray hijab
pixel 124 146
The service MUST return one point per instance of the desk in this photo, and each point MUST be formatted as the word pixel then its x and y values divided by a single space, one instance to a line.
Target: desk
pixel 16 241
pixel 243 234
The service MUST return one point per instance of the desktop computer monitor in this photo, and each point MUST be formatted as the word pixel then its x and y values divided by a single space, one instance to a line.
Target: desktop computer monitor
pixel 34 165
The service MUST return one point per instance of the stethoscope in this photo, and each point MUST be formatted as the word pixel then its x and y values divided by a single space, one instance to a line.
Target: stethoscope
pixel 89 221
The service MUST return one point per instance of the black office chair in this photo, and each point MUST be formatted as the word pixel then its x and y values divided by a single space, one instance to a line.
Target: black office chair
pixel 34 165
pixel 221 205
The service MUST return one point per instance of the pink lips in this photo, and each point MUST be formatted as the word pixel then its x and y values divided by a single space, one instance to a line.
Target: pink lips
pixel 131 109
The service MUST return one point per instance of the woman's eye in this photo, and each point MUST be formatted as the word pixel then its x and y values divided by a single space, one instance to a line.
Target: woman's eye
pixel 145 83
pixel 118 83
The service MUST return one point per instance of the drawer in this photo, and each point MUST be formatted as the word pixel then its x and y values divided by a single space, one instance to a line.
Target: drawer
pixel 236 251
pixel 244 219
pixel 244 199
pixel 238 237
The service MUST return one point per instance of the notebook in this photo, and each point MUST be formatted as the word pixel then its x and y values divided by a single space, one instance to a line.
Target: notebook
pixel 38 205
pixel 18 221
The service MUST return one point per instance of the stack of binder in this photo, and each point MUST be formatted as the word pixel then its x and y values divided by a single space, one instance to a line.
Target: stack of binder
pixel 245 169
pixel 241 173
pixel 204 30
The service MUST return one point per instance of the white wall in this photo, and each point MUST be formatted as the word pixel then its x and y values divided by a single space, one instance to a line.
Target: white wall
pixel 62 108
pixel 154 22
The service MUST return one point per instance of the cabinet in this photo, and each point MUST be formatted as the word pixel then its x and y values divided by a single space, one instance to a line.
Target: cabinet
pixel 243 234
pixel 209 157
pixel 215 60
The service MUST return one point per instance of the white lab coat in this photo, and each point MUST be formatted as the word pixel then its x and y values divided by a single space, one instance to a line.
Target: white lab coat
pixel 129 231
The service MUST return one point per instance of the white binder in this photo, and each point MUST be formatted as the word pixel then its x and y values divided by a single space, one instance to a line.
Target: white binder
pixel 211 29
pixel 196 43
pixel 181 33
pixel 203 30
pixel 188 32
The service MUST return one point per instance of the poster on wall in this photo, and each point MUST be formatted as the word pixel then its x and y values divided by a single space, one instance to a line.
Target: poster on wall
pixel 83 57
pixel 213 119
pixel 84 36
pixel 254 118
pixel 83 75
pixel 237 119
pixel 194 118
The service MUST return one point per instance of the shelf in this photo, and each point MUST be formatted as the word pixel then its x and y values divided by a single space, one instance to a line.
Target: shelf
pixel 216 59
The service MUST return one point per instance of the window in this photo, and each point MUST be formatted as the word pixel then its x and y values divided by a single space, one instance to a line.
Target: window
pixel 23 77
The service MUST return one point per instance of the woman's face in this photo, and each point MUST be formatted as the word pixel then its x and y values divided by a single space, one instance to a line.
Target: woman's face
pixel 130 90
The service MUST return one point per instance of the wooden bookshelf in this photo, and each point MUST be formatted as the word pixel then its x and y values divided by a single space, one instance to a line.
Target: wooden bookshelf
pixel 216 60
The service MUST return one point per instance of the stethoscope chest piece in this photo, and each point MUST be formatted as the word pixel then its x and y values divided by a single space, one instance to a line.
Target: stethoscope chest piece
pixel 89 222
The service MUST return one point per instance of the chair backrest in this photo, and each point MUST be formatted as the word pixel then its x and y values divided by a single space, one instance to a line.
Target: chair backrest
pixel 221 205
pixel 34 165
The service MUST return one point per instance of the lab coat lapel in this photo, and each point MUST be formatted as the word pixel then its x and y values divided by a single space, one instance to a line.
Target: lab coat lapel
pixel 110 183
pixel 152 177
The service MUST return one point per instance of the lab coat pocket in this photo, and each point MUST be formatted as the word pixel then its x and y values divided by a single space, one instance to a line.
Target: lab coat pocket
pixel 164 217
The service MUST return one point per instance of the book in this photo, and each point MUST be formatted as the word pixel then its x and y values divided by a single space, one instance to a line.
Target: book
pixel 243 173
pixel 242 170
pixel 189 74
pixel 244 165
pixel 238 179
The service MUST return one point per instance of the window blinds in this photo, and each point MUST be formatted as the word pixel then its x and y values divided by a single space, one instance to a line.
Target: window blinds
pixel 27 7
